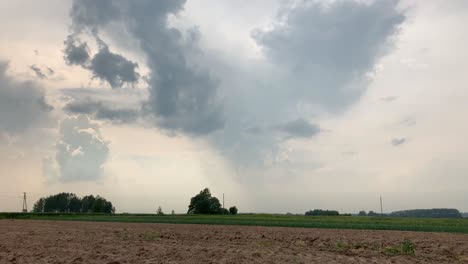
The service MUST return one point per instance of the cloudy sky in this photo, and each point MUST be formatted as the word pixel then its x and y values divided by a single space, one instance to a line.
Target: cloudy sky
pixel 284 106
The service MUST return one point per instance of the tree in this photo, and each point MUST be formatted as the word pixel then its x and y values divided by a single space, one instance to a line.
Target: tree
pixel 39 206
pixel 372 213
pixel 101 205
pixel 74 205
pixel 362 213
pixel 87 204
pixel 233 210
pixel 159 211
pixel 59 202
pixel 204 203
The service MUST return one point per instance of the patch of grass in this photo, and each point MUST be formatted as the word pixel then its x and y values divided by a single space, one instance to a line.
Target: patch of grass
pixel 123 234
pixel 343 246
pixel 150 236
pixel 405 248
pixel 265 243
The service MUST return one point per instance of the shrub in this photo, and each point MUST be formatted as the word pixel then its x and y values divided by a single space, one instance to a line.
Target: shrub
pixel 233 210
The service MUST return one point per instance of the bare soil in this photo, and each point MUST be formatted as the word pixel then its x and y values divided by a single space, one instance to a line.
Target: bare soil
pixel 23 241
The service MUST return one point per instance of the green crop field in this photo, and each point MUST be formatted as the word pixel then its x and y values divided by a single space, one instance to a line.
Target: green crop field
pixel 342 222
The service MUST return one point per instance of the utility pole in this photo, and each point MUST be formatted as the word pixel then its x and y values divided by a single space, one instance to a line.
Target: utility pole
pixel 223 200
pixel 25 204
pixel 381 207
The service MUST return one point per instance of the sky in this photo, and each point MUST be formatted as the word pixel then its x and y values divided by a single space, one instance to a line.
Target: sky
pixel 282 105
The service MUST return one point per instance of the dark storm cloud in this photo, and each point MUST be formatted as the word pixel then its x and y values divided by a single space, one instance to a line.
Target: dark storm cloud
pixel 37 71
pixel 102 111
pixel 113 68
pixel 317 57
pixel 328 48
pixel 398 141
pixel 182 96
pixel 22 104
pixel 105 65
pixel 76 52
pixel 299 128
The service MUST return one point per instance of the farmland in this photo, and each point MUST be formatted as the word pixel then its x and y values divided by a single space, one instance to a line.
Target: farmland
pixel 39 241
pixel 330 222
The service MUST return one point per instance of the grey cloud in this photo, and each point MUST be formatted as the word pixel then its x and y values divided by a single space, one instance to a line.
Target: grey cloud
pixel 42 73
pixel 182 96
pixel 254 130
pixel 50 71
pixel 105 65
pixel 80 153
pixel 38 72
pixel 299 128
pixel 100 110
pixel 318 58
pixel 76 52
pixel 113 68
pixel 328 48
pixel 89 14
pixel 398 141
pixel 22 104
pixel 316 61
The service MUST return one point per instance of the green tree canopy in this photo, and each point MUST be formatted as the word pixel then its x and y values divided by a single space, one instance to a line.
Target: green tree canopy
pixel 204 203
pixel 319 212
pixel 71 203
pixel 233 210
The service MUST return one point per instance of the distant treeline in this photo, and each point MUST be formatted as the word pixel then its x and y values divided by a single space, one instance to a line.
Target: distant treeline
pixel 319 212
pixel 430 213
pixel 71 203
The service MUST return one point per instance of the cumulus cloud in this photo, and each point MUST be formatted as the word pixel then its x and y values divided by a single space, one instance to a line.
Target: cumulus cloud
pixel 398 141
pixel 182 96
pixel 22 104
pixel 328 48
pixel 105 65
pixel 76 52
pixel 317 59
pixel 81 152
pixel 113 68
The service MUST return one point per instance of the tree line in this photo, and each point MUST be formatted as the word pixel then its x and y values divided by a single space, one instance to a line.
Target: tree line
pixel 430 213
pixel 319 212
pixel 202 203
pixel 71 203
